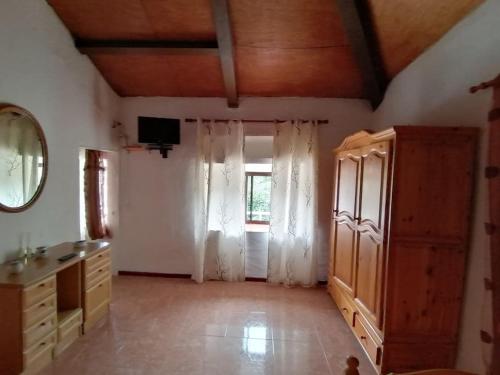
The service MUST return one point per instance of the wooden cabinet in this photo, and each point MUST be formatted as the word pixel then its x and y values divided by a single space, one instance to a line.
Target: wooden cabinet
pixel 97 290
pixel 400 230
pixel 41 307
pixel 39 323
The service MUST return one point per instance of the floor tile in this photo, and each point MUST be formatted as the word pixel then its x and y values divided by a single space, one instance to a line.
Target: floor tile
pixel 166 326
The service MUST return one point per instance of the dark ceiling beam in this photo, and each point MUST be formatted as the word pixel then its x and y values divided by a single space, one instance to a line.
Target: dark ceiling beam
pixel 220 9
pixel 165 47
pixel 360 33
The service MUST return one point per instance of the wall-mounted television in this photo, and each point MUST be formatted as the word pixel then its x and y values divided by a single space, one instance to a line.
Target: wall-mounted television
pixel 155 130
pixel 159 133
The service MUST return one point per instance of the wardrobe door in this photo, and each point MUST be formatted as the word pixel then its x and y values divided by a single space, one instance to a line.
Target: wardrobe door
pixel 344 222
pixel 369 270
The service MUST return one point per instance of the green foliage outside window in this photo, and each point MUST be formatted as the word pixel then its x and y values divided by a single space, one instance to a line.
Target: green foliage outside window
pixel 258 197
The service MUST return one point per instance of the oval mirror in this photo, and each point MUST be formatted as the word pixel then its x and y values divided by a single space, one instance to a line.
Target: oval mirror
pixel 23 159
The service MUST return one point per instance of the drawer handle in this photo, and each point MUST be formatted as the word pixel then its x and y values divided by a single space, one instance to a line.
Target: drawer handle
pixel 41 285
pixel 43 344
pixel 345 309
pixel 362 337
pixel 100 270
pixel 42 305
pixel 100 285
pixel 42 324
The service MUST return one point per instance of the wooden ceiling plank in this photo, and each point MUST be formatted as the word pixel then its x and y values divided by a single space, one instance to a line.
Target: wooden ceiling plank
pixel 405 29
pixel 303 72
pixel 220 9
pixel 164 47
pixel 162 75
pixel 360 34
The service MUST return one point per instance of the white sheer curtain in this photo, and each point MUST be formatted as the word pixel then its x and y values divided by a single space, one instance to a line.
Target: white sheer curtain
pixel 292 231
pixel 219 202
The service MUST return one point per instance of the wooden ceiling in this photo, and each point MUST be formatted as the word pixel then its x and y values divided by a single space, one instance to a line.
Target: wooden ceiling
pixel 274 47
pixel 406 28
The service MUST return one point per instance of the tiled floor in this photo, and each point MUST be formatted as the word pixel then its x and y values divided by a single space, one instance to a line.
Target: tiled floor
pixel 166 326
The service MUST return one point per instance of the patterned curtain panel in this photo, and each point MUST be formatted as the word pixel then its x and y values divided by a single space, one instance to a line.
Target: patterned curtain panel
pixel 293 223
pixel 94 190
pixel 220 203
pixel 490 332
pixel 493 224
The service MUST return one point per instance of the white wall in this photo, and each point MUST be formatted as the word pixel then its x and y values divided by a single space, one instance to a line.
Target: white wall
pixel 41 71
pixel 434 91
pixel 155 193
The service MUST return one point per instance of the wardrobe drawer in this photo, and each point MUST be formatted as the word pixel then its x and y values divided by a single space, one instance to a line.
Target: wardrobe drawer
pixel 369 344
pixel 346 308
pixel 39 291
pixel 93 278
pixel 97 295
pixel 40 354
pixel 96 261
pixel 36 313
pixel 39 330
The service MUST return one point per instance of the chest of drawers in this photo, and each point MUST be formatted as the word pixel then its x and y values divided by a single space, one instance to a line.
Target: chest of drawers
pixel 46 307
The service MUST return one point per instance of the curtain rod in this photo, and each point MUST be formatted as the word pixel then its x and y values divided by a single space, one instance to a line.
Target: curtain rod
pixel 264 121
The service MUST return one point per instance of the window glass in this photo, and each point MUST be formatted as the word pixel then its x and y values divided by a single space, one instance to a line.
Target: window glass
pixel 258 197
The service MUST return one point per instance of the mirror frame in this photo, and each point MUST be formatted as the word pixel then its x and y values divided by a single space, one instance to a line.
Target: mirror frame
pixel 21 111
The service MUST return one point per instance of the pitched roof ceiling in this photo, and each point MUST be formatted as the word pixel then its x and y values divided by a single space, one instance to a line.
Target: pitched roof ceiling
pixel 281 47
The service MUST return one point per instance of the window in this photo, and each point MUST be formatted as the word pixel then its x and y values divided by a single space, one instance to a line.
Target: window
pixel 104 181
pixel 258 187
pixel 94 194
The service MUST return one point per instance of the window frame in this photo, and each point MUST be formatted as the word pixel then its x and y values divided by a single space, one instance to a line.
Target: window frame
pixel 251 174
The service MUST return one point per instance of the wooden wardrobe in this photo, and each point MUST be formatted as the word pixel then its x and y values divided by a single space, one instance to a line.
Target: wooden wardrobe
pixel 401 218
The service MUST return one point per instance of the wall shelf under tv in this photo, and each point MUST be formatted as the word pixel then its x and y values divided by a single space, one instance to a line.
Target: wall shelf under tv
pixel 133 148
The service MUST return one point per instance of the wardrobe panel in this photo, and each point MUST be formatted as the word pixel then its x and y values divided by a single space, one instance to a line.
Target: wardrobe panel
pixel 347 183
pixel 425 289
pixel 372 187
pixel 344 247
pixel 433 177
pixel 369 276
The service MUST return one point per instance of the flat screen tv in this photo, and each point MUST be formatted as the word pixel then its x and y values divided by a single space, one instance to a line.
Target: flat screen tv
pixel 160 131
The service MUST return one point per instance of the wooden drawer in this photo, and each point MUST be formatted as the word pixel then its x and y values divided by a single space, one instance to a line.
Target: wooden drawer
pixel 97 295
pixel 68 324
pixel 332 289
pixel 39 291
pixel 96 261
pixel 36 313
pixel 93 278
pixel 346 308
pixel 39 330
pixel 369 344
pixel 96 315
pixel 40 354
pixel 70 336
pixel 70 328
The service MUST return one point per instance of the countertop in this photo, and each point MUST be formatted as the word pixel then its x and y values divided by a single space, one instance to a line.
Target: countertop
pixel 36 269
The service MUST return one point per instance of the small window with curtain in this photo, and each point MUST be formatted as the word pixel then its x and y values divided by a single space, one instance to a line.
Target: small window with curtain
pixel 95 194
pixel 258 197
